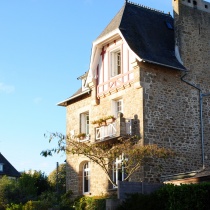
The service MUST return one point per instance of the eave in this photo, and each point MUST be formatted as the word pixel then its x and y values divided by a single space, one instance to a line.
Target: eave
pixel 65 102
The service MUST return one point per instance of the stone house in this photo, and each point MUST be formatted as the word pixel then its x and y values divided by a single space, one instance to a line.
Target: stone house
pixel 155 70
pixel 6 168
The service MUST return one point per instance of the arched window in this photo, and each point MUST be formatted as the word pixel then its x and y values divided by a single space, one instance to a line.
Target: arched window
pixel 86 178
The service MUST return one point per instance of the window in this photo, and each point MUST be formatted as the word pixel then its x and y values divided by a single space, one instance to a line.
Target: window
pixel 86 178
pixel 84 119
pixel 119 170
pixel 115 62
pixel 1 167
pixel 117 107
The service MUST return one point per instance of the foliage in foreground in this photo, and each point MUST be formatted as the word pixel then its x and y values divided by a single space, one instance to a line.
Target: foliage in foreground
pixel 58 181
pixel 90 203
pixel 132 153
pixel 29 186
pixel 170 197
pixel 81 203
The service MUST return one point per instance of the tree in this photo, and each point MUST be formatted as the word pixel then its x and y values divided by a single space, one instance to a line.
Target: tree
pixel 9 192
pixel 58 180
pixel 32 185
pixel 105 153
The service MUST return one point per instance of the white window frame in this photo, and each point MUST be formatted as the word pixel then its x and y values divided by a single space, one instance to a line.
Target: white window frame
pixel 116 62
pixel 1 166
pixel 117 106
pixel 117 169
pixel 83 84
pixel 85 123
pixel 86 177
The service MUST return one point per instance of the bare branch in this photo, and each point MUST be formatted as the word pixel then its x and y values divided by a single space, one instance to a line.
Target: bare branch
pixel 104 154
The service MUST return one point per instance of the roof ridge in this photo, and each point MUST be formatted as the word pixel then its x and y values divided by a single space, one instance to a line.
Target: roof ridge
pixel 146 7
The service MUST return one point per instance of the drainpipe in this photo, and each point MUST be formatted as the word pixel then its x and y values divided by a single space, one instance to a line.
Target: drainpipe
pixel 201 115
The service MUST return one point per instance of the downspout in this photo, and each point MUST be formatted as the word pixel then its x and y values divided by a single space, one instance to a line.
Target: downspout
pixel 201 95
pixel 201 116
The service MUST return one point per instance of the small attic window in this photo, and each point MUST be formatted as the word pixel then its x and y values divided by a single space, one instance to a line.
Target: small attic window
pixel 169 25
pixel 1 166
pixel 83 78
pixel 206 6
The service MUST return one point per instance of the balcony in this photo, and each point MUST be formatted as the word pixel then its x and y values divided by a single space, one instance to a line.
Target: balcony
pixel 121 127
pixel 106 132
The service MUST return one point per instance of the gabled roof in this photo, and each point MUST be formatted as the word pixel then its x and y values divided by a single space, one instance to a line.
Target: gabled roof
pixel 149 33
pixel 8 169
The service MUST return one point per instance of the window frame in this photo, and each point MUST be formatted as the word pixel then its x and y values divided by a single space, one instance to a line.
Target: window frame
pixel 1 167
pixel 116 105
pixel 86 174
pixel 115 62
pixel 85 123
pixel 118 169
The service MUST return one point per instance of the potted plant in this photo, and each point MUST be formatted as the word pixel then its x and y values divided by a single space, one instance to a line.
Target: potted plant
pixel 110 119
pixel 96 122
pixel 102 121
pixel 81 136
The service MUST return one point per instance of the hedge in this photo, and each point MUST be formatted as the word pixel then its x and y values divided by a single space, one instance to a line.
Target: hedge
pixel 171 197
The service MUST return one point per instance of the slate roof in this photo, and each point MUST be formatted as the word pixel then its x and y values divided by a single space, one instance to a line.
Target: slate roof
pixel 147 34
pixel 8 169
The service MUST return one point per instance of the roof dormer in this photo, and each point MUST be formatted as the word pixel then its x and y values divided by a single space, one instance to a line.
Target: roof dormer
pixel 83 78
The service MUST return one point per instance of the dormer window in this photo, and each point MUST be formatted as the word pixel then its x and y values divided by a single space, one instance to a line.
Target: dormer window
pixel 1 167
pixel 83 84
pixel 115 62
pixel 83 78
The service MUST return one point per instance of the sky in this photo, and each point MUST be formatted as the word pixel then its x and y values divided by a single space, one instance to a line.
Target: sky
pixel 45 45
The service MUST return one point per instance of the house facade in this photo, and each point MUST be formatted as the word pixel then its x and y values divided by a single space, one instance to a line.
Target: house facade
pixel 151 72
pixel 6 169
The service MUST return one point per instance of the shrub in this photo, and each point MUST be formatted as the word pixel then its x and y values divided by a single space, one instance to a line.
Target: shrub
pixel 14 207
pixel 9 192
pixel 35 205
pixel 90 203
pixel 170 197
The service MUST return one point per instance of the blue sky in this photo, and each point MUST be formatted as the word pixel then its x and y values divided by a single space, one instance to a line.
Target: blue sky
pixel 44 46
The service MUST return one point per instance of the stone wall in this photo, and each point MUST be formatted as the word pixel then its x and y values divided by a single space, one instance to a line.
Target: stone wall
pixel 132 96
pixel 171 106
pixel 192 32
pixel 171 120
